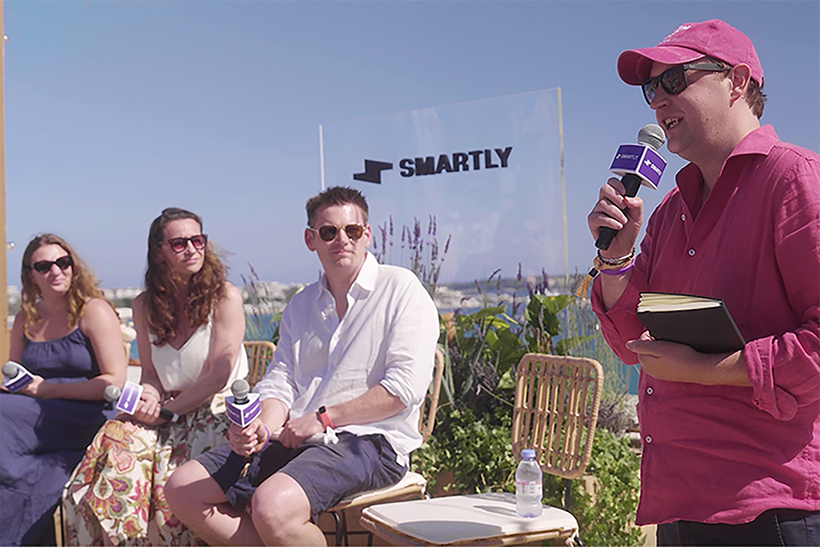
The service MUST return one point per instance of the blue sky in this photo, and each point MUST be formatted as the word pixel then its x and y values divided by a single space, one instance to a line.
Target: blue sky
pixel 117 109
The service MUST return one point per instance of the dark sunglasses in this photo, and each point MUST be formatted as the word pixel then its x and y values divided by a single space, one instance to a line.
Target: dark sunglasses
pixel 674 79
pixel 44 266
pixel 328 233
pixel 179 244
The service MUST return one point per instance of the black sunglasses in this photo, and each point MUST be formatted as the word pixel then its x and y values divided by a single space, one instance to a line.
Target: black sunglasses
pixel 44 266
pixel 328 233
pixel 674 79
pixel 179 244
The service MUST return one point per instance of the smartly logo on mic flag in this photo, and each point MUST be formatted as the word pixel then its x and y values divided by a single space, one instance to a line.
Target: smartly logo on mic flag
pixel 485 174
pixel 243 413
pixel 640 160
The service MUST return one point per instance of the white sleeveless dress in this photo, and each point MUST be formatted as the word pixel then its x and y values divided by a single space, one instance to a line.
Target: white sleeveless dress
pixel 118 488
pixel 181 367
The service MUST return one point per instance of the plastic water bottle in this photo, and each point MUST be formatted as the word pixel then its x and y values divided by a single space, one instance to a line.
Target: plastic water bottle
pixel 528 486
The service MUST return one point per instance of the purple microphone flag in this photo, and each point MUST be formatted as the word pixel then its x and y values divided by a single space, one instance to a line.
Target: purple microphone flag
pixel 243 414
pixel 641 160
pixel 129 397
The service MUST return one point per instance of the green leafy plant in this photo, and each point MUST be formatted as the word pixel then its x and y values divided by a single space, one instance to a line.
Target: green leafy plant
pixel 469 455
pixel 607 519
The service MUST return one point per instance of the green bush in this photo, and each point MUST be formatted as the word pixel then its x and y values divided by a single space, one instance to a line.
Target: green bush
pixel 608 520
pixel 476 452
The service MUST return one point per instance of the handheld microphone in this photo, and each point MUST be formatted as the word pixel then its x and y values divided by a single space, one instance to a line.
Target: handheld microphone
pixel 243 406
pixel 15 376
pixel 127 403
pixel 111 393
pixel 639 164
pixel 240 389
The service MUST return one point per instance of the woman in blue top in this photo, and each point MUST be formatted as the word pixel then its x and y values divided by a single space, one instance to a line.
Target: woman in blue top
pixel 68 336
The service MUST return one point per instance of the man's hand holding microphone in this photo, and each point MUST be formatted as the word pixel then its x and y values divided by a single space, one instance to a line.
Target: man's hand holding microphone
pixel 616 219
pixel 247 434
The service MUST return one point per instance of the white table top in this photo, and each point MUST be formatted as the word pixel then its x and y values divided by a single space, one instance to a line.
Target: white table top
pixel 457 518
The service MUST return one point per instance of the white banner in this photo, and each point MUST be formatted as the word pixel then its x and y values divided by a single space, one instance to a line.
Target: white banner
pixel 485 175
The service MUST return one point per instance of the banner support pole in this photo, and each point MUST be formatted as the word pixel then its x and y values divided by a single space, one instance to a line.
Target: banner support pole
pixel 563 188
pixel 4 302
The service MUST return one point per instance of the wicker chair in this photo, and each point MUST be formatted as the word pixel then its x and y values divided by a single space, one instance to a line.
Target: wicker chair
pixel 556 411
pixel 260 353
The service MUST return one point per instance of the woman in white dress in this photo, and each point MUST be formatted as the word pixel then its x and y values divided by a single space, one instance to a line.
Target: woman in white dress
pixel 190 325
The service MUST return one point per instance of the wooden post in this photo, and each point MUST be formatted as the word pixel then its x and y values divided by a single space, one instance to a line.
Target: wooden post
pixel 4 302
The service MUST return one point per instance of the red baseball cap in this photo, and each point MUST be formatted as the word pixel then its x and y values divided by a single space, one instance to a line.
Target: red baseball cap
pixel 689 42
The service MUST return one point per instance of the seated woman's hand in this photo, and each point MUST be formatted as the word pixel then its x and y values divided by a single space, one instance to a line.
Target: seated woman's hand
pixel 148 407
pixel 150 392
pixel 37 388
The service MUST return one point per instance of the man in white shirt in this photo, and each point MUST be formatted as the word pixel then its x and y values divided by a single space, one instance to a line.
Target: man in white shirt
pixel 356 355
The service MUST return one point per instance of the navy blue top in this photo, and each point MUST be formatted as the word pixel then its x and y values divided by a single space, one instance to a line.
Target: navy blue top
pixel 41 441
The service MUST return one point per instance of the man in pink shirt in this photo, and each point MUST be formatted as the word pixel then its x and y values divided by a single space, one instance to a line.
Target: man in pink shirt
pixel 731 442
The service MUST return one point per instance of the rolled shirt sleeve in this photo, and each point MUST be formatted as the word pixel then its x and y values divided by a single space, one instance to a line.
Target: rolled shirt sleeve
pixel 410 343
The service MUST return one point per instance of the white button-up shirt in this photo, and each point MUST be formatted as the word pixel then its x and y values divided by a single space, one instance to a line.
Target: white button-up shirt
pixel 387 336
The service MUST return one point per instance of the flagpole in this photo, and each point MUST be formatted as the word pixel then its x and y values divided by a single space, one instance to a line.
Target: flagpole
pixel 4 303
pixel 563 189
pixel 321 155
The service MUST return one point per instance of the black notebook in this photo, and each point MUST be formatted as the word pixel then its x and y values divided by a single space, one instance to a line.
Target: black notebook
pixel 703 323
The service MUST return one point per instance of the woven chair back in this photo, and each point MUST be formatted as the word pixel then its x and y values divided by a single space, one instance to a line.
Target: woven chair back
pixel 556 411
pixel 260 353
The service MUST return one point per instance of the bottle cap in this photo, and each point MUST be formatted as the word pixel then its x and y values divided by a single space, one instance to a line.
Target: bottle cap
pixel 528 454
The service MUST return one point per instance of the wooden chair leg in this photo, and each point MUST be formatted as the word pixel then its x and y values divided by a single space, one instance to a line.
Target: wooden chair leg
pixel 59 540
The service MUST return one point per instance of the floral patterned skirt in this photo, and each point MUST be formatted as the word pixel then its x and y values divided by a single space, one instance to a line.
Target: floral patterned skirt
pixel 118 489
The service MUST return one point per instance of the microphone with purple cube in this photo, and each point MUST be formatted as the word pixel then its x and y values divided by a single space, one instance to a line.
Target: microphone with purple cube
pixel 15 376
pixel 242 406
pixel 638 164
pixel 126 400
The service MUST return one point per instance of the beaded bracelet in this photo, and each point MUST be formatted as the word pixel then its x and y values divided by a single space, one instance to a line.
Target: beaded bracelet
pixel 616 261
pixel 267 438
pixel 607 267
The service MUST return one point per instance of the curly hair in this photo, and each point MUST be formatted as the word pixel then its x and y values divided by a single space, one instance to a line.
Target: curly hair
pixel 337 195
pixel 205 288
pixel 84 285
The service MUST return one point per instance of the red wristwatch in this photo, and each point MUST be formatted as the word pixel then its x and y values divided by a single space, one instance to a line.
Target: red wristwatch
pixel 324 418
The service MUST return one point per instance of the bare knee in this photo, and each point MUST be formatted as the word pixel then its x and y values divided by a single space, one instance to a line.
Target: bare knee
pixel 280 508
pixel 188 487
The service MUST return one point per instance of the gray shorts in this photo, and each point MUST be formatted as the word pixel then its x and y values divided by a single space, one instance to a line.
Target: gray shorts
pixel 326 473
